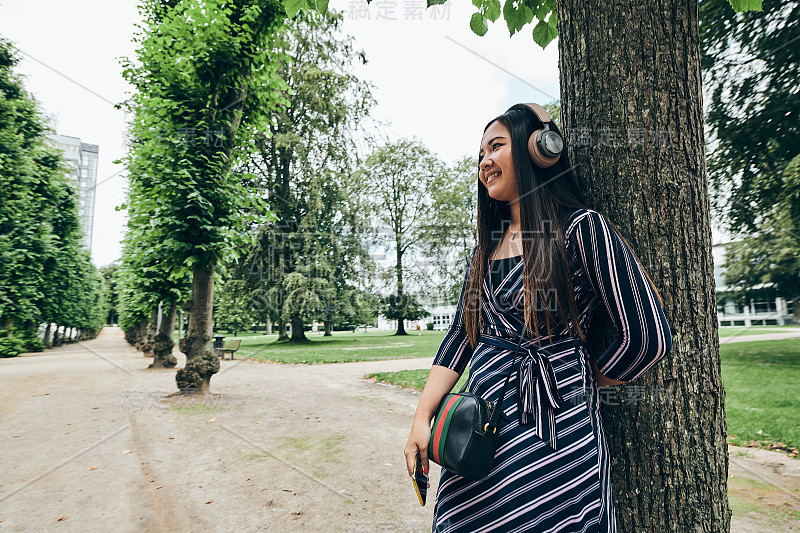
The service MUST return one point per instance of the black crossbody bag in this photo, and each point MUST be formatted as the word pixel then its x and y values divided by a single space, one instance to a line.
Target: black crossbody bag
pixel 465 431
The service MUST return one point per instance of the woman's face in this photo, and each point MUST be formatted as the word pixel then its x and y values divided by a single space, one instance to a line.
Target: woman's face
pixel 496 171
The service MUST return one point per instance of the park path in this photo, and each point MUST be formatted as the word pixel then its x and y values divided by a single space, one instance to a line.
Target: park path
pixel 92 441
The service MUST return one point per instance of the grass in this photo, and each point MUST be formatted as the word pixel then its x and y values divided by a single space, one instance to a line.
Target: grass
pixel 735 331
pixel 762 390
pixel 343 347
pixel 413 379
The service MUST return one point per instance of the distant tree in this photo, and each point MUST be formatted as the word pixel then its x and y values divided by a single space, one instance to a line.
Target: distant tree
pixel 400 177
pixel 109 273
pixel 401 308
pixel 232 309
pixel 751 67
pixel 449 232
pixel 771 256
pixel 303 163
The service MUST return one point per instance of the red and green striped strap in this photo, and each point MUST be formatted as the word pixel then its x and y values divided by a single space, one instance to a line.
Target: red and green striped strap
pixel 442 426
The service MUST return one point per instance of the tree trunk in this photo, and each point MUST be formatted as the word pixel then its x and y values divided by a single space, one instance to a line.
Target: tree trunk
pixel 282 336
pixel 269 327
pixel 56 337
pixel 47 342
pixel 298 335
pixel 149 335
pixel 401 330
pixel 201 363
pixel 626 68
pixel 180 324
pixel 328 328
pixel 163 342
pixel 796 310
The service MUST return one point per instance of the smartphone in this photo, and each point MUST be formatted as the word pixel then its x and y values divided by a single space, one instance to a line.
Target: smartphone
pixel 420 481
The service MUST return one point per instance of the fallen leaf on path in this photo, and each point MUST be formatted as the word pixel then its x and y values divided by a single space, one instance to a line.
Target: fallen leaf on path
pixel 91 468
pixel 159 487
pixel 95 408
pixel 62 518
pixel 211 420
pixel 127 451
pixel 209 501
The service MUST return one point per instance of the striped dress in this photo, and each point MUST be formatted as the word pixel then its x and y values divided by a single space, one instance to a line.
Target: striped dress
pixel 551 471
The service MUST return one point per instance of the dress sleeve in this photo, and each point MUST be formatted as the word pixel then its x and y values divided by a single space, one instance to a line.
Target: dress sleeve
pixel 455 351
pixel 618 280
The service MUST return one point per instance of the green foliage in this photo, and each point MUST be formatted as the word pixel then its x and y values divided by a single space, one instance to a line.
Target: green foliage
pixel 400 176
pixel 449 234
pixel 518 13
pixel 233 310
pixel 204 73
pixel 307 260
pixel 404 307
pixel 10 346
pixel 750 66
pixel 771 256
pixel 45 273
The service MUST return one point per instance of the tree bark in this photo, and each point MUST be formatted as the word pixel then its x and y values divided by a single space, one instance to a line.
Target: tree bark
pixel 298 335
pixel 201 363
pixel 634 67
pixel 282 336
pixel 163 342
pixel 149 334
pixel 47 342
pixel 328 328
pixel 401 330
pixel 796 310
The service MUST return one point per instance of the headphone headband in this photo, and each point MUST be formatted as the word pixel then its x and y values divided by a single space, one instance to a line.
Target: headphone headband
pixel 540 112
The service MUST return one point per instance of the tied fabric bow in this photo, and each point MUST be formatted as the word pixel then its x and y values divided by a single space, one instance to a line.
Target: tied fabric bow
pixel 538 395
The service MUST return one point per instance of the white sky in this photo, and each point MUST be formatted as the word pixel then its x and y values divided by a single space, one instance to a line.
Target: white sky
pixel 435 79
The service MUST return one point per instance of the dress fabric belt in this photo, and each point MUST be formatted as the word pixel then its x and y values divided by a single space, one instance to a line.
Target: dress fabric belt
pixel 536 381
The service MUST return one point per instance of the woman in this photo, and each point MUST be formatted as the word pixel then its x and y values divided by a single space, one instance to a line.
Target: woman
pixel 551 471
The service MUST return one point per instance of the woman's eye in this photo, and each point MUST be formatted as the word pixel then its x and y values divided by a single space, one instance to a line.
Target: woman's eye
pixel 496 144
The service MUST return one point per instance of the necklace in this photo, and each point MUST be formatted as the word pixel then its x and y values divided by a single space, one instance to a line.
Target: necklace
pixel 514 234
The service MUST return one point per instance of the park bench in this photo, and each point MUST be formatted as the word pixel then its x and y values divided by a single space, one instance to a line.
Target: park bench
pixel 231 348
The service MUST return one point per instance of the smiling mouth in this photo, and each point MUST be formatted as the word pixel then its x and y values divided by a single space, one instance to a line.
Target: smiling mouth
pixel 491 177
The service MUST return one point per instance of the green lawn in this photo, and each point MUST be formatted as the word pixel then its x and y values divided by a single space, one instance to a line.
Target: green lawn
pixel 343 346
pixel 735 331
pixel 762 389
pixel 413 379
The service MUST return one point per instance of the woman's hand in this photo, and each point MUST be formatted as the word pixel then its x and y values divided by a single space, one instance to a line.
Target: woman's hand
pixel 440 381
pixel 418 444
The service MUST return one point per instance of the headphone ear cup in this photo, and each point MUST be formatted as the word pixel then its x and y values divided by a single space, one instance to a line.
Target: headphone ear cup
pixel 537 156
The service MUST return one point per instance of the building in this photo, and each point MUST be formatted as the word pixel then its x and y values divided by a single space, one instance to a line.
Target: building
pixel 762 309
pixel 441 316
pixel 82 160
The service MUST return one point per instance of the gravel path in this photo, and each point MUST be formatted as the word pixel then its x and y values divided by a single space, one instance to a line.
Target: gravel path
pixel 93 441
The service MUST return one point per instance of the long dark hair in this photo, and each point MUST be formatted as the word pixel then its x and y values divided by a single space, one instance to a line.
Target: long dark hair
pixel 547 197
